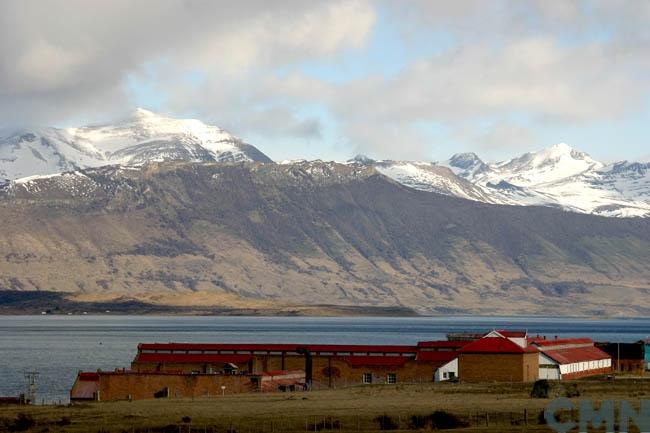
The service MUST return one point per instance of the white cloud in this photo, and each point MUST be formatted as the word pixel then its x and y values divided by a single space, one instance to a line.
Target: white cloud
pixel 554 63
pixel 56 55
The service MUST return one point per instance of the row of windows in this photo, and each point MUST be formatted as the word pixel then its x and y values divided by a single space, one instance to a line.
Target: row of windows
pixel 390 378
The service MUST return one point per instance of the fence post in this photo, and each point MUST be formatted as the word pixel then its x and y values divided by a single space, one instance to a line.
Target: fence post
pixel 525 416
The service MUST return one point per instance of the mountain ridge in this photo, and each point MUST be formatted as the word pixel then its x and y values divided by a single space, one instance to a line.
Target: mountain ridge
pixel 558 176
pixel 311 233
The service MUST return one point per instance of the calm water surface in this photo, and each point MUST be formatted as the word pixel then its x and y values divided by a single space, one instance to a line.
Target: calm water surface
pixel 59 346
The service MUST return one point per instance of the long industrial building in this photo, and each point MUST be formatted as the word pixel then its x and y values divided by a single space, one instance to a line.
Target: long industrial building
pixel 161 370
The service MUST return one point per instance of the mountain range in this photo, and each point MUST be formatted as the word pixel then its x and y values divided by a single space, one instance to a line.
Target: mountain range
pixel 558 176
pixel 176 212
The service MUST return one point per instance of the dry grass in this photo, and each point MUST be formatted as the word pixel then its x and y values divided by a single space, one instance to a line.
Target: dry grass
pixel 486 407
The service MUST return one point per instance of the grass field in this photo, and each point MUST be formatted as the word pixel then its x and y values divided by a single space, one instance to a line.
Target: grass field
pixel 478 408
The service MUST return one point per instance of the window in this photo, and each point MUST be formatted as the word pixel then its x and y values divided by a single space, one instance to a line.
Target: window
pixel 391 378
pixel 367 378
pixel 444 375
pixel 451 374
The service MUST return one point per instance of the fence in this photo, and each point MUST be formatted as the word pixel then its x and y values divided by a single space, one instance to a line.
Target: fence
pixel 349 423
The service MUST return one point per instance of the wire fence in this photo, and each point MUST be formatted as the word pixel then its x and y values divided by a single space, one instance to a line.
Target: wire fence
pixel 438 420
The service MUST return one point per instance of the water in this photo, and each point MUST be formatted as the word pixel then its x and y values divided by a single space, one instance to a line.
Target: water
pixel 59 346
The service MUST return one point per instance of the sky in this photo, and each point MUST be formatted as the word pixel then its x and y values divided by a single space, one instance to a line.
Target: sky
pixel 418 80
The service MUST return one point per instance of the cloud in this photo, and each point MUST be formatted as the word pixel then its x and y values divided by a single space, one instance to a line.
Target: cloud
pixel 58 57
pixel 556 70
pixel 552 63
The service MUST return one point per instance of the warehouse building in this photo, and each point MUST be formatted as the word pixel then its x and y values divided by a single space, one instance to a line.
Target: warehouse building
pixel 570 358
pixel 496 358
pixel 325 365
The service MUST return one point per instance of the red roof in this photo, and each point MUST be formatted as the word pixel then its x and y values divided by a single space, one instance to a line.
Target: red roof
pixel 495 345
pixel 388 361
pixel 436 356
pixel 542 342
pixel 314 348
pixel 443 344
pixel 191 358
pixel 576 354
pixel 92 376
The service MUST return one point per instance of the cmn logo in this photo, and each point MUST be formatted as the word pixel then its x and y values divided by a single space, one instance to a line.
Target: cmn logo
pixel 603 416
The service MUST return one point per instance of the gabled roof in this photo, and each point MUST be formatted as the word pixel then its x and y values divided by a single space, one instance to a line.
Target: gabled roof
pixel 191 358
pixel 495 345
pixel 576 354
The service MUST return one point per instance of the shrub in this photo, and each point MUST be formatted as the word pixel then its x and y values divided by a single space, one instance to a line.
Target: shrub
pixel 186 419
pixel 540 389
pixel 386 423
pixel 418 422
pixel 445 420
pixel 64 421
pixel 21 423
pixel 572 391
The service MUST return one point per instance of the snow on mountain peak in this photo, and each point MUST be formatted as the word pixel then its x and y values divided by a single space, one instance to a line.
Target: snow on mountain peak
pixel 141 113
pixel 144 136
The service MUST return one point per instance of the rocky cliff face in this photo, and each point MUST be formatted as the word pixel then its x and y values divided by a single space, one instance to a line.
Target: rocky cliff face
pixel 311 233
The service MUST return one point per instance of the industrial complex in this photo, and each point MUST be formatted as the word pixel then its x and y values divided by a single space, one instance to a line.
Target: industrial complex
pixel 188 370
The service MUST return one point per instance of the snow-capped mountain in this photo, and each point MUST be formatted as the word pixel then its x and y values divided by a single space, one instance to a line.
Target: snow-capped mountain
pixel 143 137
pixel 558 176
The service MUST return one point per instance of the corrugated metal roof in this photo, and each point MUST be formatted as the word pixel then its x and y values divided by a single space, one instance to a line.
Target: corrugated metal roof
pixel 495 345
pixel 542 342
pixel 88 376
pixel 191 358
pixel 436 356
pixel 576 354
pixel 443 344
pixel 275 347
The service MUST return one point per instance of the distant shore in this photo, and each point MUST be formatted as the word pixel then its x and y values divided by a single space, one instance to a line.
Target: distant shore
pixel 14 302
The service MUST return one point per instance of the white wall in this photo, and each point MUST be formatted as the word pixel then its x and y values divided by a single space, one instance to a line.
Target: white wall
pixel 585 366
pixel 548 368
pixel 451 366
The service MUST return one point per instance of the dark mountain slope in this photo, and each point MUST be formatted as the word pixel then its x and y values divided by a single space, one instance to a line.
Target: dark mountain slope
pixel 311 234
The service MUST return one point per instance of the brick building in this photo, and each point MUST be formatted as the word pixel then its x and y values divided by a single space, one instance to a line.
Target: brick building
pixel 326 365
pixel 498 359
pixel 133 385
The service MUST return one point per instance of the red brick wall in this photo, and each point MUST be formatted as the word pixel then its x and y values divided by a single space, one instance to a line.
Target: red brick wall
pixel 343 373
pixel 145 386
pixel 488 367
